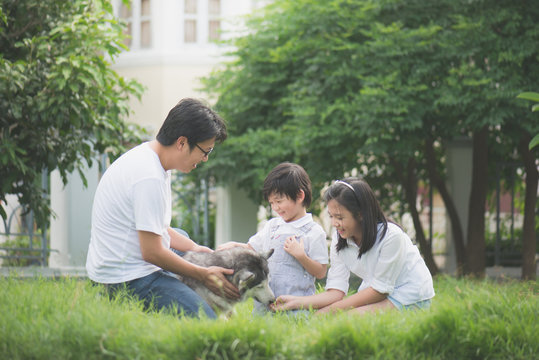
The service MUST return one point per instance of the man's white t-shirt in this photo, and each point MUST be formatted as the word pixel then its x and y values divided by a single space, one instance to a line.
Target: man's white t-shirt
pixel 133 194
pixel 392 266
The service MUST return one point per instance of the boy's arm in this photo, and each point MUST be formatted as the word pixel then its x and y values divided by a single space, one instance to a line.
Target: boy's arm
pixel 297 250
pixel 254 243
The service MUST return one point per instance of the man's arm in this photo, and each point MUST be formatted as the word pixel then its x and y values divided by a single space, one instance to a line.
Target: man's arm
pixel 232 244
pixel 213 277
pixel 183 243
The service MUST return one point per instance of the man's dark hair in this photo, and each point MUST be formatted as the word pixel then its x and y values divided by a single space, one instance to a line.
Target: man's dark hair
pixel 194 120
pixel 288 179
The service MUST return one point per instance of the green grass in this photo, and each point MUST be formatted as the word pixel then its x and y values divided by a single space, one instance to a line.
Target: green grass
pixel 71 319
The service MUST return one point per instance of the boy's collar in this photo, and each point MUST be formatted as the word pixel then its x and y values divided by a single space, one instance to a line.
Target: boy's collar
pixel 299 222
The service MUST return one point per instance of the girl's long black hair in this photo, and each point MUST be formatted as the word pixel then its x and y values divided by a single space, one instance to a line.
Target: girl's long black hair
pixel 365 208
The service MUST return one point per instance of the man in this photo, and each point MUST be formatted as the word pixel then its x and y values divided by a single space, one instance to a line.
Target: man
pixel 131 238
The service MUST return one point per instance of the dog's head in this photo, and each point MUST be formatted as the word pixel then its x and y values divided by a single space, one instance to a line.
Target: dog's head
pixel 253 279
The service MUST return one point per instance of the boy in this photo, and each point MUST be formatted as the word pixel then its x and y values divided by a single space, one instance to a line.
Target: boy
pixel 300 249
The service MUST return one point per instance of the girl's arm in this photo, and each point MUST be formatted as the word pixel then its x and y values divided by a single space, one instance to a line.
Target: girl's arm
pixel 317 301
pixel 364 297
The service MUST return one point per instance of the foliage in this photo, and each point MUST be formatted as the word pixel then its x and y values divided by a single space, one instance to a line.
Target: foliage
pixel 60 101
pixel 534 97
pixel 468 319
pixel 322 83
pixel 364 86
pixel 23 254
pixel 189 212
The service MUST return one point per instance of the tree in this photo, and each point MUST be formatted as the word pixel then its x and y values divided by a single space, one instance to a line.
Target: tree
pixel 529 245
pixel 380 87
pixel 60 102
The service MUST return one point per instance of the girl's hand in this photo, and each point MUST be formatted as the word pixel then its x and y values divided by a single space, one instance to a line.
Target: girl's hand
pixel 286 302
pixel 293 247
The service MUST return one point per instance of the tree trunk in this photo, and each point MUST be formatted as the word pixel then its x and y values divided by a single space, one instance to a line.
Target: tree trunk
pixel 529 246
pixel 478 196
pixel 456 226
pixel 409 182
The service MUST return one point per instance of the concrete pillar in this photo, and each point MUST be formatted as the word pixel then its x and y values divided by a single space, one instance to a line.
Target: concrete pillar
pixel 70 228
pixel 459 183
pixel 236 216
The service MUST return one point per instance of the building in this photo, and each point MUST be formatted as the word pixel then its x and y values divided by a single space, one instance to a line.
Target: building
pixel 173 43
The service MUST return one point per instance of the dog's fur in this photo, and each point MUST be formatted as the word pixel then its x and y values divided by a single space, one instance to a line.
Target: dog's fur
pixel 250 276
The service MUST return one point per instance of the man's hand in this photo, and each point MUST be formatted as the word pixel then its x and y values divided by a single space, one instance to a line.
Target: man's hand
pixel 215 280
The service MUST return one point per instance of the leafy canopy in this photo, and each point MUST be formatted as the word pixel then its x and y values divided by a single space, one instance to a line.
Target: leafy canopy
pixel 61 104
pixel 340 85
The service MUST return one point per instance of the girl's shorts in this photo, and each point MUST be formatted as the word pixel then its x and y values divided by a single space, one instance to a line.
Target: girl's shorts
pixel 423 304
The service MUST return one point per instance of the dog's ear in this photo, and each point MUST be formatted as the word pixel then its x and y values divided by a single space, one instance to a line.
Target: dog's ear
pixel 266 255
pixel 246 277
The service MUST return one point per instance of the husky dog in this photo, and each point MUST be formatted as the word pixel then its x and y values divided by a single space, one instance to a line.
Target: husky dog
pixel 250 276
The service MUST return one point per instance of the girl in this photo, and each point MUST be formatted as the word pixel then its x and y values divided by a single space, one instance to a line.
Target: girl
pixel 379 252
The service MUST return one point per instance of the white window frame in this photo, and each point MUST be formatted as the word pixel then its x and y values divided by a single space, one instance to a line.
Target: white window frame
pixel 202 18
pixel 136 21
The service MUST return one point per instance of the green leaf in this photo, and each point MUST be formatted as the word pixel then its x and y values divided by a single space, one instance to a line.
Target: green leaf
pixel 529 96
pixel 534 142
pixel 56 91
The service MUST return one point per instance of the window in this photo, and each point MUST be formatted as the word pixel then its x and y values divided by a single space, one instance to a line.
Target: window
pixel 126 14
pixel 138 17
pixel 201 21
pixel 145 25
pixel 214 11
pixel 190 21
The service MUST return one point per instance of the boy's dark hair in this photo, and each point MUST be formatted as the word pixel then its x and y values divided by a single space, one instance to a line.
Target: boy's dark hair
pixel 288 179
pixel 364 206
pixel 194 120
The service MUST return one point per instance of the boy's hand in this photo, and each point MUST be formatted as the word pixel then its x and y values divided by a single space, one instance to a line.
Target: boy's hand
pixel 293 247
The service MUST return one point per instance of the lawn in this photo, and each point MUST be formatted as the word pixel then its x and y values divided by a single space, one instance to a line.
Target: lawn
pixel 71 319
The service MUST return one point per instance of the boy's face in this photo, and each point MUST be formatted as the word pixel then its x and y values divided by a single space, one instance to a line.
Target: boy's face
pixel 287 208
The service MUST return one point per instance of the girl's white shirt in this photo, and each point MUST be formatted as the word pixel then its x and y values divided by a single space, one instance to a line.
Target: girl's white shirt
pixel 392 266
